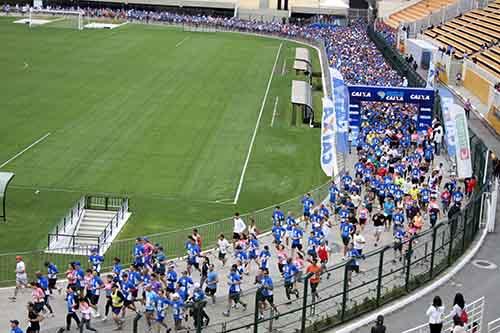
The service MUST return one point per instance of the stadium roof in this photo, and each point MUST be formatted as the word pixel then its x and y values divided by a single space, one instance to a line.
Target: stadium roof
pixel 302 54
pixel 301 93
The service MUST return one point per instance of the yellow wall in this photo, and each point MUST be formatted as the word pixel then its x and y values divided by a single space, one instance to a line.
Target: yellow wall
pixel 493 120
pixel 477 85
pixel 442 74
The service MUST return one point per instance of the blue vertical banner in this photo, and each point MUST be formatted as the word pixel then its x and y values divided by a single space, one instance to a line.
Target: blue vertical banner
pixel 328 157
pixel 340 102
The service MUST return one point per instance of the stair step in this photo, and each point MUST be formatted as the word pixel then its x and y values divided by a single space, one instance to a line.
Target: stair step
pixel 95 222
pixel 85 229
pixel 99 212
pixel 96 219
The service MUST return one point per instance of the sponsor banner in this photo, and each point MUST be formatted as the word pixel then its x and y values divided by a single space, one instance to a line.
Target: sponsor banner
pixel 328 151
pixel 341 102
pixel 423 97
pixel 462 151
pixel 431 74
pixel 447 103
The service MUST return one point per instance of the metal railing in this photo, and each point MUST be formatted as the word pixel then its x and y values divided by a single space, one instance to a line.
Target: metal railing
pixel 114 224
pixel 494 326
pixel 69 222
pixel 475 311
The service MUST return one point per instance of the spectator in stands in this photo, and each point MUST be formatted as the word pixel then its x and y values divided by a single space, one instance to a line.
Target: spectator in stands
pixel 379 326
pixel 435 313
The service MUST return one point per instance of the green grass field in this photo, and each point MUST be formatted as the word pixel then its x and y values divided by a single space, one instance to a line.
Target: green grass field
pixel 160 115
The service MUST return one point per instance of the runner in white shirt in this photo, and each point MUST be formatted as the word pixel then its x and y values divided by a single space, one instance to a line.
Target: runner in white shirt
pixel 239 227
pixel 21 277
pixel 223 246
pixel 359 241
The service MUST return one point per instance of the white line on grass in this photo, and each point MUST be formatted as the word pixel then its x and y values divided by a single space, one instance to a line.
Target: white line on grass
pixel 24 150
pixel 244 170
pixel 274 111
pixel 284 68
pixel 182 41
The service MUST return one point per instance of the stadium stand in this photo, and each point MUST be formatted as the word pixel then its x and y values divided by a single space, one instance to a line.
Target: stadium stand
pixel 470 33
pixel 416 11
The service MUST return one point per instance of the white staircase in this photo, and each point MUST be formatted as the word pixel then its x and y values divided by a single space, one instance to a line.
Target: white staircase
pixel 92 225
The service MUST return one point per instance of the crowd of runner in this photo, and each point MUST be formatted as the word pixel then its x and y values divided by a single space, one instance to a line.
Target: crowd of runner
pixel 398 186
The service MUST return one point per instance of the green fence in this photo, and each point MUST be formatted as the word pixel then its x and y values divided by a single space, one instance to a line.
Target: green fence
pixel 173 242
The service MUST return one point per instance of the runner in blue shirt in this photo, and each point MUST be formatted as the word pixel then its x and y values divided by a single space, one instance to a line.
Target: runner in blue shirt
pixel 266 290
pixel 312 244
pixel 253 247
pixel 307 203
pixel 425 196
pixel 234 281
pixel 52 276
pixel 177 306
pixel 333 192
pixel 149 301
pixel 212 282
pixel 278 233
pixel 399 237
pixel 278 215
pixel 117 267
pixel 184 282
pixel 264 257
pixel 171 278
pixel 323 212
pixel 139 252
pixel 94 289
pixel 359 167
pixel 297 235
pixel 193 251
pixel 44 284
pixel 398 218
pixel 346 181
pixel 388 211
pixel 290 272
pixel 346 230
pixel 161 309
pixel 71 302
pixel 96 260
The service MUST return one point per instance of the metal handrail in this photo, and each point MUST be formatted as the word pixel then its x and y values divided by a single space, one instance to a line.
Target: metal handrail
pixel 117 218
pixel 494 326
pixel 72 216
pixel 475 313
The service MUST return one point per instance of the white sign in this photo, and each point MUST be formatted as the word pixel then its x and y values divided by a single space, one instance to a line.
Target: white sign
pixel 462 149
